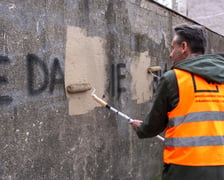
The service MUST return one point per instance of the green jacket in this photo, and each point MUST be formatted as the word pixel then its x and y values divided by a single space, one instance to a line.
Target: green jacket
pixel 210 67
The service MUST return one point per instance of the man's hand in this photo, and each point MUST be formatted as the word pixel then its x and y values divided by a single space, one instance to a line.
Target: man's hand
pixel 135 124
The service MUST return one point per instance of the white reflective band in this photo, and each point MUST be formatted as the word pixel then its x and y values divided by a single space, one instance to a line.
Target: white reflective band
pixel 196 117
pixel 195 141
pixel 121 114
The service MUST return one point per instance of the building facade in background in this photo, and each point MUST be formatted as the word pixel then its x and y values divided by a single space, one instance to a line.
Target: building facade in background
pixel 205 12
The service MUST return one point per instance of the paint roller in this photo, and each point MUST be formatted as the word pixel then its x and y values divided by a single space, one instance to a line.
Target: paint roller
pixel 78 88
pixel 105 104
pixel 153 69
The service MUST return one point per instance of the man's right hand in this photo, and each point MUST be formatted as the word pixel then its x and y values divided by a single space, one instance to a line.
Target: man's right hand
pixel 135 124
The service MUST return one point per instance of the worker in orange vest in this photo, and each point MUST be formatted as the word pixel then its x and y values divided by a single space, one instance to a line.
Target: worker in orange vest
pixel 189 106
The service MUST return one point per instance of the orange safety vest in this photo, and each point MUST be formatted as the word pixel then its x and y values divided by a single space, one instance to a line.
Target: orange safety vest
pixel 195 132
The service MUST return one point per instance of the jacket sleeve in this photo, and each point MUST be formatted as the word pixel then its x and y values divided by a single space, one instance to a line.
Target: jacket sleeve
pixel 165 99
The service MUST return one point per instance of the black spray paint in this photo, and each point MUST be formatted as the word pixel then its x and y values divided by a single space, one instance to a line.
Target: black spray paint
pixel 51 76
pixel 54 75
pixel 116 77
pixel 4 100
pixel 34 63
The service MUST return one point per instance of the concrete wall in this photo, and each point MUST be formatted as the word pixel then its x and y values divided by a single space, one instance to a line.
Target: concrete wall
pixel 39 140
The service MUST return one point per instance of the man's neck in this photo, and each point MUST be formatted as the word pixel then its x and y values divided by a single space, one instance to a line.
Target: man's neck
pixel 193 55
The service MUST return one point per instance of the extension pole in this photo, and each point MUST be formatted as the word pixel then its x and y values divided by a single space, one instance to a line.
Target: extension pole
pixel 105 104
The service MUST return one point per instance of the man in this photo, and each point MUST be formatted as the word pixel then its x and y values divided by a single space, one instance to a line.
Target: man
pixel 189 104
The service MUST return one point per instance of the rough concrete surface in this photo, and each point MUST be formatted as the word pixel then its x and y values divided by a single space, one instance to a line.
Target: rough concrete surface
pixel 38 139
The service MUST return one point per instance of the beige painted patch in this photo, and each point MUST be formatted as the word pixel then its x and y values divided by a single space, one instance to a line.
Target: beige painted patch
pixel 141 79
pixel 85 61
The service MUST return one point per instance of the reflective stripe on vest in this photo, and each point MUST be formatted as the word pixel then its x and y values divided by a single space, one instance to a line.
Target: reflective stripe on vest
pixel 195 141
pixel 195 132
pixel 194 117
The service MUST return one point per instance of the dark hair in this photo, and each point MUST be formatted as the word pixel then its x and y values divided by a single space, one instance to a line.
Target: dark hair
pixel 194 35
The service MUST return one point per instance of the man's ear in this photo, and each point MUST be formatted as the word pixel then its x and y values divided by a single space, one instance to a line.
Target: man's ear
pixel 184 46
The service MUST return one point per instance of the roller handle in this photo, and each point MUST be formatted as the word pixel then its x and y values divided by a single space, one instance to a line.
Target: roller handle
pixel 100 101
